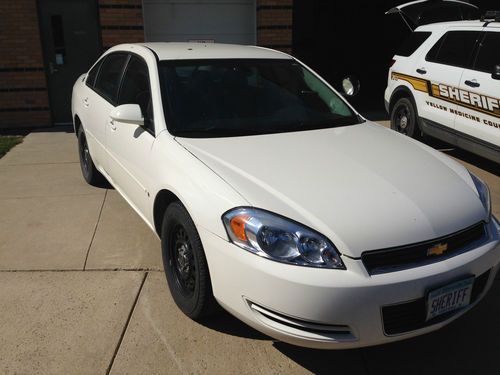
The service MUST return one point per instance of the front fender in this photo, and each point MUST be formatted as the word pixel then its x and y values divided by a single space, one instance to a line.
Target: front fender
pixel 205 194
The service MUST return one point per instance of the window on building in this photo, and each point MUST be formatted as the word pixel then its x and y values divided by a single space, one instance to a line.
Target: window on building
pixel 135 89
pixel 455 48
pixel 108 80
pixel 489 53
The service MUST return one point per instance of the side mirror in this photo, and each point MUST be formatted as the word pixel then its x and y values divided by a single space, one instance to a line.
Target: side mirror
pixel 128 113
pixel 351 86
pixel 496 72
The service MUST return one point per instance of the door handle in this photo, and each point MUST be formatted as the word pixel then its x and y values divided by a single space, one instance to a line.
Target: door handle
pixel 112 124
pixel 472 83
pixel 421 71
pixel 52 70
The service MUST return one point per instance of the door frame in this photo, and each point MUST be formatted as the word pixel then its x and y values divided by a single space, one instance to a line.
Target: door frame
pixel 39 5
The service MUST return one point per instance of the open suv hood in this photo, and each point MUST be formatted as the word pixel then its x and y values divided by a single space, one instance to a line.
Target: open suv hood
pixel 423 12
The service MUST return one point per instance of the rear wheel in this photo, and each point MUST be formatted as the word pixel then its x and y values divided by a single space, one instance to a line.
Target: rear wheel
pixel 89 171
pixel 185 264
pixel 404 118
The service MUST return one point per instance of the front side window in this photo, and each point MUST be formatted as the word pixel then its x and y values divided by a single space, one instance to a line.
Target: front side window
pixel 237 97
pixel 489 53
pixel 455 48
pixel 135 89
pixel 108 79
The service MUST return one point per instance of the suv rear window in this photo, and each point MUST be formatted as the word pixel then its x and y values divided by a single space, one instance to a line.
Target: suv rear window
pixel 489 53
pixel 412 43
pixel 455 48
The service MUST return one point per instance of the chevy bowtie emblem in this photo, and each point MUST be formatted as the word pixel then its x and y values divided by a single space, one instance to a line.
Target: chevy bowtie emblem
pixel 438 249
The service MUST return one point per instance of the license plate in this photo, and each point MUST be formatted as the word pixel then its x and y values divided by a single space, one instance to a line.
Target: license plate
pixel 449 297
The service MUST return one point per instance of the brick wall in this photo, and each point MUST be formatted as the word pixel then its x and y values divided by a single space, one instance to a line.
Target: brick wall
pixel 23 88
pixel 24 98
pixel 274 24
pixel 121 22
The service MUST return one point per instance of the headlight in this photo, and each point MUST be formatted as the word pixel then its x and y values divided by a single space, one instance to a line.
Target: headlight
pixel 280 239
pixel 484 193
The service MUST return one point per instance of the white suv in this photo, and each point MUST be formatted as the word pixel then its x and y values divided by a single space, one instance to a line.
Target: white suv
pixel 445 82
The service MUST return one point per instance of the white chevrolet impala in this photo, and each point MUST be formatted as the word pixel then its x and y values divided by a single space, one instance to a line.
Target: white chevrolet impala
pixel 276 200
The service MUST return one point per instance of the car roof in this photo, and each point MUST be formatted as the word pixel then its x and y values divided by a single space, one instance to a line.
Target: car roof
pixel 457 24
pixel 189 51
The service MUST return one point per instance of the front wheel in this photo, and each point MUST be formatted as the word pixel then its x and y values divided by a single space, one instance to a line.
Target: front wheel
pixel 185 264
pixel 404 118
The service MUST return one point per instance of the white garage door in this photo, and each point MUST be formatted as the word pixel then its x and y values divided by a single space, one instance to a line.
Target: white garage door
pixel 221 21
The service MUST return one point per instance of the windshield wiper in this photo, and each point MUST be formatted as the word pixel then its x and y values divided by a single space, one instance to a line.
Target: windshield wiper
pixel 217 132
pixel 322 124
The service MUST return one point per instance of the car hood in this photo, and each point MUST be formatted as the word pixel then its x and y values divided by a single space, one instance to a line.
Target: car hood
pixel 363 186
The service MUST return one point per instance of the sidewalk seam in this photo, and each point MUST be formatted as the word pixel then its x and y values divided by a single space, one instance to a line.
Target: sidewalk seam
pixel 95 229
pixel 129 318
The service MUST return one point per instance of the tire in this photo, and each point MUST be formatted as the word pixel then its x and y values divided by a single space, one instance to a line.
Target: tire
pixel 89 171
pixel 185 264
pixel 404 118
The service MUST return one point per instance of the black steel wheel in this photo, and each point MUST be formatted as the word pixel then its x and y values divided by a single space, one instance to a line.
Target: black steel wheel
pixel 182 259
pixel 185 264
pixel 404 118
pixel 89 171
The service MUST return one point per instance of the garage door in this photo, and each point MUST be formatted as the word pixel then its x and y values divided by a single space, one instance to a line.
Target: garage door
pixel 221 21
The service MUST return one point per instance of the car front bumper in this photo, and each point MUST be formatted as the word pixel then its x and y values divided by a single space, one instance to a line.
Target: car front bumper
pixel 333 309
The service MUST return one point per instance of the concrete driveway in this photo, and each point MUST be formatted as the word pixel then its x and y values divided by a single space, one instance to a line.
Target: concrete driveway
pixel 82 291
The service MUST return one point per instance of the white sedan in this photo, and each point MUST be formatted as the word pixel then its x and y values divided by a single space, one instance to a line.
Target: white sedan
pixel 276 200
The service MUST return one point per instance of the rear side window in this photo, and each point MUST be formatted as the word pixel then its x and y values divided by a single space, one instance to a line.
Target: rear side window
pixel 411 44
pixel 108 80
pixel 455 48
pixel 489 53
pixel 93 74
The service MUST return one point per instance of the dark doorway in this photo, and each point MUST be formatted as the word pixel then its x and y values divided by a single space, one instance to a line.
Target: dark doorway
pixel 71 44
pixel 339 38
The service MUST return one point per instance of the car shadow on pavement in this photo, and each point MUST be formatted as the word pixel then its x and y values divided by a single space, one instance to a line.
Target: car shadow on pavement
pixel 463 155
pixel 470 345
pixel 224 322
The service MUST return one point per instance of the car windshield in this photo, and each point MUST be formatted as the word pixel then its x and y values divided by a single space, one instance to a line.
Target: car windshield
pixel 238 97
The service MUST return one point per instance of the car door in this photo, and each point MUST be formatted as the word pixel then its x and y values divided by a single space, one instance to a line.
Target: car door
pixel 101 97
pixel 442 67
pixel 129 145
pixel 480 102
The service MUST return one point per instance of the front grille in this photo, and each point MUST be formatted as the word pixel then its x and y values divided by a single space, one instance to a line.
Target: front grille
pixel 387 260
pixel 409 316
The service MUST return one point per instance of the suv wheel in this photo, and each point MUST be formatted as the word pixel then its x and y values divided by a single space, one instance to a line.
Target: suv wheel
pixel 404 118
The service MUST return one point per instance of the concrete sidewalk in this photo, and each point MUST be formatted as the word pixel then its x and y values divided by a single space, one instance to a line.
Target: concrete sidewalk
pixel 82 291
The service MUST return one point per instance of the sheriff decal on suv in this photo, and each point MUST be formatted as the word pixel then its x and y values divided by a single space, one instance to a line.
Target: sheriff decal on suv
pixel 445 82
